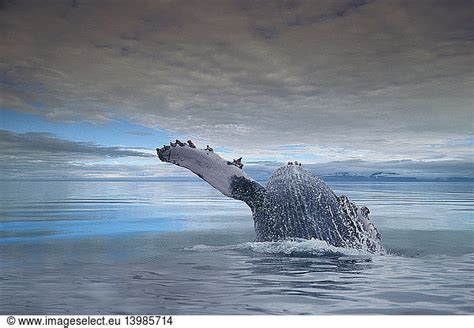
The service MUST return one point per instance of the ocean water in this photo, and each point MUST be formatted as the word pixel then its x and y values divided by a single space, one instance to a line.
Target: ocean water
pixel 180 247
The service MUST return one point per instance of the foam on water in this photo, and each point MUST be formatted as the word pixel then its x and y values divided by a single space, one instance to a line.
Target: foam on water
pixel 293 247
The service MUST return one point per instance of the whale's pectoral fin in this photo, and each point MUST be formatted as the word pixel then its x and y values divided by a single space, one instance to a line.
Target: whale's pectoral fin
pixel 248 191
pixel 227 177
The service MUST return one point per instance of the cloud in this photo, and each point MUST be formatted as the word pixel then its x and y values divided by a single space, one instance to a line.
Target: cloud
pixel 370 79
pixel 266 32
pixel 41 142
pixel 42 155
pixel 140 133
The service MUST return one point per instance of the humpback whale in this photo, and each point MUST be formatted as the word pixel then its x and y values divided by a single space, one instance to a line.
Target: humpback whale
pixel 295 204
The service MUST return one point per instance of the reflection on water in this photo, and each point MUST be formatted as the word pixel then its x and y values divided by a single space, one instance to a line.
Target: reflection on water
pixel 127 247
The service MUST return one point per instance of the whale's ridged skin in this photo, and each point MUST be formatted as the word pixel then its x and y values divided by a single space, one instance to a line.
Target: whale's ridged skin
pixel 363 232
pixel 298 204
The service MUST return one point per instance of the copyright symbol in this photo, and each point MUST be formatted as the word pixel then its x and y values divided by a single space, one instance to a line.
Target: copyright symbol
pixel 11 320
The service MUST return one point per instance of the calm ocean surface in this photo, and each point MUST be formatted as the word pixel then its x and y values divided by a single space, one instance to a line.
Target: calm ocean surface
pixel 79 247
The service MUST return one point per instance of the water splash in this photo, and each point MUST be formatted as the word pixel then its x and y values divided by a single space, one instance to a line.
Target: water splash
pixel 292 247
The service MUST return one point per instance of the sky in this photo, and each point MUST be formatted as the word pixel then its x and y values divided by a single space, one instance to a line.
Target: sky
pixel 89 89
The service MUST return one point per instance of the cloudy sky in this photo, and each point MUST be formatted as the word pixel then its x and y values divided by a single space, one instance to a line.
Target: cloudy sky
pixel 91 88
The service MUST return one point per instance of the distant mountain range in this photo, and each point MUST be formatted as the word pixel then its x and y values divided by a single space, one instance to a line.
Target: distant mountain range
pixel 263 173
pixel 382 178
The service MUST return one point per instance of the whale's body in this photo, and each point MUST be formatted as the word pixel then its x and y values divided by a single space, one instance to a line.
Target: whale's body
pixel 294 204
